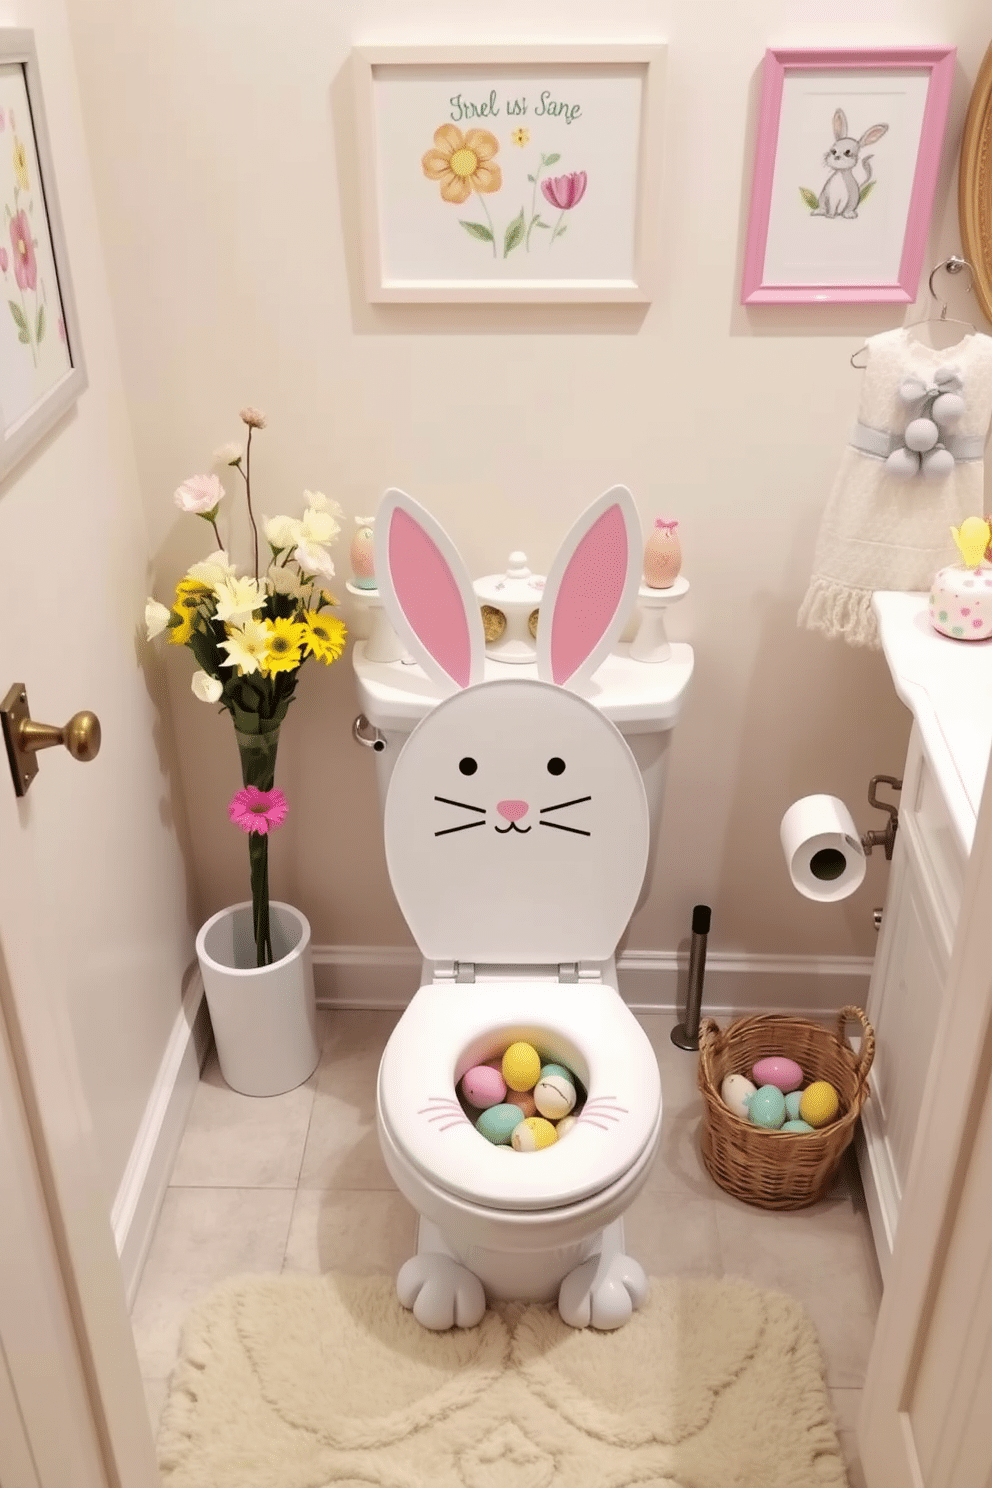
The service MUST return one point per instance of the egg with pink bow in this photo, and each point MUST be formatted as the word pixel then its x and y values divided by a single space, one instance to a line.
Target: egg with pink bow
pixel 776 1070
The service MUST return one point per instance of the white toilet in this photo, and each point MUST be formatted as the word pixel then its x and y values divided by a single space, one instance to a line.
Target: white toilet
pixel 518 926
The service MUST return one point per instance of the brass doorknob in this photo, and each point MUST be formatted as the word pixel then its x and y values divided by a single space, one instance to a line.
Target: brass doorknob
pixel 24 738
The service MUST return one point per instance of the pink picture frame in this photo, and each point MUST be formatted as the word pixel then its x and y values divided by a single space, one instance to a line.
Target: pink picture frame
pixel 848 151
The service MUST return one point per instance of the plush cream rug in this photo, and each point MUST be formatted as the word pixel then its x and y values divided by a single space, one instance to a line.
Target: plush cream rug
pixel 300 1382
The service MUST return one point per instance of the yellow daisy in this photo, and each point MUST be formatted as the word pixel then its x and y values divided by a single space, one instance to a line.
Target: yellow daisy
pixel 21 164
pixel 521 137
pixel 461 162
pixel 286 640
pixel 324 636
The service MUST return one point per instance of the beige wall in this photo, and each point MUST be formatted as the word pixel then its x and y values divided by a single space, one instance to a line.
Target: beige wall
pixel 226 168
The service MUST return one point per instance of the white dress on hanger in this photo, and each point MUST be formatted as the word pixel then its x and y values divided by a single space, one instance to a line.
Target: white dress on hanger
pixel 880 531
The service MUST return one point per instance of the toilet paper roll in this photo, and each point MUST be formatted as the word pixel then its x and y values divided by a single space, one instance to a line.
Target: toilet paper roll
pixel 822 848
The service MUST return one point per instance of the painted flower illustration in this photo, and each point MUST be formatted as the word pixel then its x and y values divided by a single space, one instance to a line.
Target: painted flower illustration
pixel 521 137
pixel 4 260
pixel 462 163
pixel 25 264
pixel 21 164
pixel 565 192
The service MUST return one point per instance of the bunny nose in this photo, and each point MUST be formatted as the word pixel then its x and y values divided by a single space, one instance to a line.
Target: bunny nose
pixel 512 810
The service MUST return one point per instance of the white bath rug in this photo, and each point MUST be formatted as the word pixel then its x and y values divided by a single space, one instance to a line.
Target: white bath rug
pixel 327 1382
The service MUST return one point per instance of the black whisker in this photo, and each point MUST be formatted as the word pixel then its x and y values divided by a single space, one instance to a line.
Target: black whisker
pixel 562 804
pixel 579 832
pixel 463 804
pixel 464 828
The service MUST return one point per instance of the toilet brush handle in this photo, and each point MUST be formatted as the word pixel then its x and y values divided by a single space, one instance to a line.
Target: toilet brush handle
pixel 686 1035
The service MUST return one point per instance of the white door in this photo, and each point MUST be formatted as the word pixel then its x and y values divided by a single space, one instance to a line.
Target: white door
pixel 925 1420
pixel 94 925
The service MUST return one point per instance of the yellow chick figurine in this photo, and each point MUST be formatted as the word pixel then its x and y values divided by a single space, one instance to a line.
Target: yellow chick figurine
pixel 972 538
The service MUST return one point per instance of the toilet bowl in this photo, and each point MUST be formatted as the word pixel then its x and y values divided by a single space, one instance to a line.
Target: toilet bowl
pixel 517 834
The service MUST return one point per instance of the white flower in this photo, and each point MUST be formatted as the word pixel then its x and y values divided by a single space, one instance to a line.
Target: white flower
pixel 318 526
pixel 281 532
pixel 215 569
pixel 247 647
pixel 237 599
pixel 157 617
pixel 201 493
pixel 228 454
pixel 320 502
pixel 253 417
pixel 208 689
pixel 285 581
pixel 314 559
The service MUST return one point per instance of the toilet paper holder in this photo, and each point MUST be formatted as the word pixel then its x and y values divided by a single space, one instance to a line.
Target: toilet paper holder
pixel 885 838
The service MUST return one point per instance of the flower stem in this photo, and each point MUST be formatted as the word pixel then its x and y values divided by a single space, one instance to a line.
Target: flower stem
pixel 492 229
pixel 533 205
pixel 213 524
pixel 557 226
pixel 251 514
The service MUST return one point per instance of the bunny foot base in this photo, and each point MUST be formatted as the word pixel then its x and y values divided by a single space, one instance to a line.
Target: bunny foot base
pixel 605 1290
pixel 440 1292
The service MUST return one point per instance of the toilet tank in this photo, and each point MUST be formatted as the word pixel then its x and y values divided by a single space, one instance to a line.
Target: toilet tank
pixel 643 699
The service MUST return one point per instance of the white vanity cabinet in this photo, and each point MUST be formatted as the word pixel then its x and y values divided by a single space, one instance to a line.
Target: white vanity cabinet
pixel 942 682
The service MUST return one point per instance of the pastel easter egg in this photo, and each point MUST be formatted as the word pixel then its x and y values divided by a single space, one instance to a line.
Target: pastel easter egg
pixel 521 1066
pixel 556 1069
pixel 554 1096
pixel 792 1104
pixel 498 1124
pixel 533 1134
pixel 779 1071
pixel 796 1126
pixel 565 1125
pixel 735 1092
pixel 483 1086
pixel 767 1107
pixel 523 1100
pixel 819 1104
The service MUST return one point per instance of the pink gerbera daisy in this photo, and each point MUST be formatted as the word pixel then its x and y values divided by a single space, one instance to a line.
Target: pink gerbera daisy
pixel 254 810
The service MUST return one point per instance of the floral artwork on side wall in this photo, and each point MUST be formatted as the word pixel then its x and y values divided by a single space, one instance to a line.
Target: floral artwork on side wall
pixel 41 370
pixel 508 173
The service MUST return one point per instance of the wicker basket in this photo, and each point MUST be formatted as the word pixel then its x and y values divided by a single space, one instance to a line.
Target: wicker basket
pixel 780 1170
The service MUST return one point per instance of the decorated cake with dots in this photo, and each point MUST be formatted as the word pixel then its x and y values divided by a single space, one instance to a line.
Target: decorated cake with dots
pixel 521 1100
pixel 961 594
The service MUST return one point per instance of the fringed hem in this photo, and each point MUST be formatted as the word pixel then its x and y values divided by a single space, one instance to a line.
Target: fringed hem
pixel 840 612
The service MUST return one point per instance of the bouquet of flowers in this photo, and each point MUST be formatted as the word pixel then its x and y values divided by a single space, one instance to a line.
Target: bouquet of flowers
pixel 251 634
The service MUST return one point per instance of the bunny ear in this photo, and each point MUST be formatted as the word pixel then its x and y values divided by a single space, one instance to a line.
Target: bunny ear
pixel 840 124
pixel 872 135
pixel 590 590
pixel 427 593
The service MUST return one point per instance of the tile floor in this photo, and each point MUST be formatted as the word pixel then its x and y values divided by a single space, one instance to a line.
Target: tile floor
pixel 297 1183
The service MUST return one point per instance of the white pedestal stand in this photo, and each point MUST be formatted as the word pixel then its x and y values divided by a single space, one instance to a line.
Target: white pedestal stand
pixel 383 644
pixel 651 643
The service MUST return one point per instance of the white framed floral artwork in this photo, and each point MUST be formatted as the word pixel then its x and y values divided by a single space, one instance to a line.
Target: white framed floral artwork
pixel 509 173
pixel 41 362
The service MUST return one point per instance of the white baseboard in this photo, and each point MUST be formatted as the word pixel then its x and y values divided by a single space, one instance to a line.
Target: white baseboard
pixel 139 1198
pixel 388 976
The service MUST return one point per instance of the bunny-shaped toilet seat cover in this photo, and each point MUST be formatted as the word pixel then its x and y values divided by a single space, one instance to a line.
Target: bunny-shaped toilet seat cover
pixel 516 835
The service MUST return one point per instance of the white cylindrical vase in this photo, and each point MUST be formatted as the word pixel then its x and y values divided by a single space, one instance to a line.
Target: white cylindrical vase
pixel 264 1017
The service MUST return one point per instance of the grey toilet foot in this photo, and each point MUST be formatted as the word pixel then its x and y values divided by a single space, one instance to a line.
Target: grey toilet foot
pixel 441 1292
pixel 602 1292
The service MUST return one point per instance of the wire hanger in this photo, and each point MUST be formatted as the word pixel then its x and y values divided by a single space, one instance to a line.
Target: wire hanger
pixel 954 264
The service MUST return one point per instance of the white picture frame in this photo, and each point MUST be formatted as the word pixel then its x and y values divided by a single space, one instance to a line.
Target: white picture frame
pixel 42 371
pixel 557 130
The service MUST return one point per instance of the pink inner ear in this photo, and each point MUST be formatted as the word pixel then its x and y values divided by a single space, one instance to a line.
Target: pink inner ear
pixel 429 596
pixel 590 591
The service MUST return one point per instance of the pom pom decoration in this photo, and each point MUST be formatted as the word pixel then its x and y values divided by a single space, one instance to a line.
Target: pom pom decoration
pixel 937 463
pixel 912 389
pixel 947 409
pixel 902 464
pixel 921 434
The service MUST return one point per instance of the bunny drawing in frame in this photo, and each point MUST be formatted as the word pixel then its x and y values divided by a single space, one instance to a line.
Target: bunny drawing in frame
pixel 524 784
pixel 843 192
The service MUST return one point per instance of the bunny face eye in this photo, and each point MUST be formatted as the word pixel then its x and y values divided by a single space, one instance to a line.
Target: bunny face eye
pixel 556 766
pixel 468 765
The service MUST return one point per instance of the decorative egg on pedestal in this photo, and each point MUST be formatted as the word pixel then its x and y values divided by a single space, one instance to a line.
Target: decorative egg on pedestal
pixel 362 554
pixel 662 555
